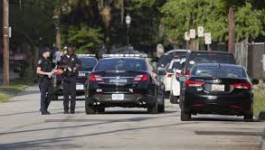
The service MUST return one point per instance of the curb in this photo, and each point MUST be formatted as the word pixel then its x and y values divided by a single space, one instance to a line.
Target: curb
pixel 263 141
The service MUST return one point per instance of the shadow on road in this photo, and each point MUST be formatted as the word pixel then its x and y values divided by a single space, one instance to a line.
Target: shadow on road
pixel 224 119
pixel 103 121
pixel 59 141
pixel 228 133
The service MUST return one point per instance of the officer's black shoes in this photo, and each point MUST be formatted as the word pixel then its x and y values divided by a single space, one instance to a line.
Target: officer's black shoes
pixel 66 112
pixel 45 113
pixel 72 111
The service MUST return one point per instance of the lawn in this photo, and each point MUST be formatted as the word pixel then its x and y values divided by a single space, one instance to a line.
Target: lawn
pixel 259 99
pixel 6 92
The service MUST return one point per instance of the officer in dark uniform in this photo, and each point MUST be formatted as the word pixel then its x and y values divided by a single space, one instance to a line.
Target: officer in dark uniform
pixel 45 72
pixel 70 64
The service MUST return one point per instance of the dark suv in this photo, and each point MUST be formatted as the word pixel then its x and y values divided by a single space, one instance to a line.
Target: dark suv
pixel 88 61
pixel 124 80
pixel 198 57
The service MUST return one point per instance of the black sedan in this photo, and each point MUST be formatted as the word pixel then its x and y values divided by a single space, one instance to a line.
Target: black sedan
pixel 124 80
pixel 223 89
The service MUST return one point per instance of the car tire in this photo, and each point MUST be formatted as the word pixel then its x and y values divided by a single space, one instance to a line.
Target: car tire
pixel 161 105
pixel 153 109
pixel 89 108
pixel 161 108
pixel 185 116
pixel 55 97
pixel 101 110
pixel 174 99
pixel 248 117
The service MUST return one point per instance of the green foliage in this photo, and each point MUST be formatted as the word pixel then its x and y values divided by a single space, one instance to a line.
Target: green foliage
pixel 181 15
pixel 248 23
pixel 84 37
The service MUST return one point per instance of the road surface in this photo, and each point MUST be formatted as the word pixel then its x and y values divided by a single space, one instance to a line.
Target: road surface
pixel 23 128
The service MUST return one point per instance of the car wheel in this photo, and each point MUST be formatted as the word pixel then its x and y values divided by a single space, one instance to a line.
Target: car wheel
pixel 89 108
pixel 174 99
pixel 153 109
pixel 248 117
pixel 185 116
pixel 161 108
pixel 101 110
pixel 55 97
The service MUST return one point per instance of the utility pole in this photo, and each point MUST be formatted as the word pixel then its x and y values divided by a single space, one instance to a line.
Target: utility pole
pixel 6 42
pixel 231 30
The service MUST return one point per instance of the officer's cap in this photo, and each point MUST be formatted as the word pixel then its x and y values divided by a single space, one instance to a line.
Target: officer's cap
pixel 46 49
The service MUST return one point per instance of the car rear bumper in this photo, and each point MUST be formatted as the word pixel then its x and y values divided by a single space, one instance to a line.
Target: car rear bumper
pixel 130 100
pixel 175 87
pixel 167 83
pixel 238 104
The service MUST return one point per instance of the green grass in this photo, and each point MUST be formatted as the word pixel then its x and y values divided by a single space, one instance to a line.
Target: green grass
pixel 4 97
pixel 259 99
pixel 6 92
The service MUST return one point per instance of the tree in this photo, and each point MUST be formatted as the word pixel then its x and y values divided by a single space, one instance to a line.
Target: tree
pixel 181 15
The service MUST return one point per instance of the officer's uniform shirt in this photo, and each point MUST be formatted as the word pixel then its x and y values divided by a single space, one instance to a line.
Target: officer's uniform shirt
pixel 70 61
pixel 46 66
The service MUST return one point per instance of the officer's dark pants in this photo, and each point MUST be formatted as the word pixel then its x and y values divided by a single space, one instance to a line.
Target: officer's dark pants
pixel 69 89
pixel 46 90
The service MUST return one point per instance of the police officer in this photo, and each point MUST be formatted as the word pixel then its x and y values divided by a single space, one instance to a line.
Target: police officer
pixel 45 72
pixel 70 64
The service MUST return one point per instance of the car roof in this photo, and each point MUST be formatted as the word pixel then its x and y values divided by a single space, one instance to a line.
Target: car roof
pixel 176 50
pixel 219 64
pixel 210 52
pixel 137 58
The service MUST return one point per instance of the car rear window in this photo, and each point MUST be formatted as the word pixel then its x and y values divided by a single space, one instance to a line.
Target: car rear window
pixel 175 65
pixel 198 58
pixel 88 63
pixel 121 64
pixel 166 59
pixel 219 72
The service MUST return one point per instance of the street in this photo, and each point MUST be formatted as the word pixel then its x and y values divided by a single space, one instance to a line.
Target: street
pixel 22 127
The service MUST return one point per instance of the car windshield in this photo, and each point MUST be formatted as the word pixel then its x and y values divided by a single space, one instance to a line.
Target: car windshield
pixel 219 72
pixel 88 63
pixel 166 59
pixel 198 58
pixel 121 64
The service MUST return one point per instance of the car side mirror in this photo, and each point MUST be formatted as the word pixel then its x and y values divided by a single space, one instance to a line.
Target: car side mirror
pixel 255 81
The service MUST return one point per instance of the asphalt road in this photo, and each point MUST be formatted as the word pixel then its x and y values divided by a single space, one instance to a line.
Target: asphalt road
pixel 23 128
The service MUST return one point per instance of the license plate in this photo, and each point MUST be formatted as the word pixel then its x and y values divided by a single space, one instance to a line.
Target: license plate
pixel 217 87
pixel 81 74
pixel 117 97
pixel 118 81
pixel 80 87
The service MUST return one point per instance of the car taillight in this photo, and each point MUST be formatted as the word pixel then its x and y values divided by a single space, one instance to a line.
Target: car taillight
pixel 142 77
pixel 94 77
pixel 242 85
pixel 193 83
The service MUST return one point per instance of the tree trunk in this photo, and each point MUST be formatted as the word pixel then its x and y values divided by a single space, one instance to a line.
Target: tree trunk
pixel 231 30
